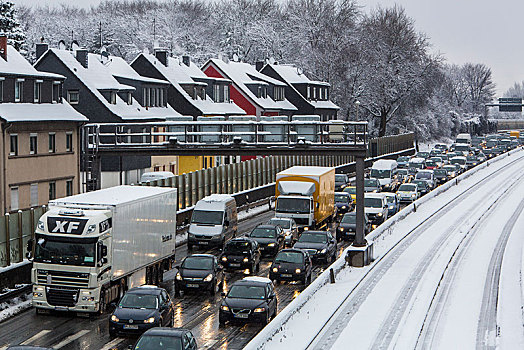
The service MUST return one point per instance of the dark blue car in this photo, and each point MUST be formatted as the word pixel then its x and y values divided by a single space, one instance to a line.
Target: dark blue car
pixel 393 204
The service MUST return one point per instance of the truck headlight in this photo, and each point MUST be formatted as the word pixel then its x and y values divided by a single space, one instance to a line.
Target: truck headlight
pixel 38 294
pixel 341 229
pixel 259 309
pixel 413 195
pixel 114 318
pixel 150 320
pixel 208 278
pixel 178 276
pixel 306 228
pixel 91 229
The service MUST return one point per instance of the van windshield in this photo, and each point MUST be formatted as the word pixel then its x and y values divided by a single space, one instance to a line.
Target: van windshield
pixel 204 217
pixel 380 174
pixel 372 202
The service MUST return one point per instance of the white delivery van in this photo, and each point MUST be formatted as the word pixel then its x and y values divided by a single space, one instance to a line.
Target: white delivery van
pixel 155 175
pixel 213 222
pixel 385 171
pixel 463 138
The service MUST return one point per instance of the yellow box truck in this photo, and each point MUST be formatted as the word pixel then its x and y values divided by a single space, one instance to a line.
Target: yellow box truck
pixel 515 133
pixel 306 194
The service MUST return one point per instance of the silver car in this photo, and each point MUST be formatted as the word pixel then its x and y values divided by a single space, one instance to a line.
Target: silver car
pixel 289 226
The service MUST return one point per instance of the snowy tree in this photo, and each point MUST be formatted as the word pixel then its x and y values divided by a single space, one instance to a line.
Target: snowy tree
pixel 10 25
pixel 481 88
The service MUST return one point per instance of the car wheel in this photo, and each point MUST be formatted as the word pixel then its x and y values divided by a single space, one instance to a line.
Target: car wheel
pixel 112 334
pixel 221 322
pixel 267 319
pixel 213 288
pixel 189 247
pixel 258 267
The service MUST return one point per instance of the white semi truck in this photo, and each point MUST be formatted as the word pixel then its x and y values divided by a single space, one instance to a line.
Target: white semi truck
pixel 90 248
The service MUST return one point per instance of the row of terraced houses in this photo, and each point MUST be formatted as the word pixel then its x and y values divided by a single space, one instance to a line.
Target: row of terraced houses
pixel 43 106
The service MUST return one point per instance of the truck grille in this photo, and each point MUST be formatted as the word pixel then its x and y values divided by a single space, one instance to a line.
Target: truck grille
pixel 61 296
pixel 63 278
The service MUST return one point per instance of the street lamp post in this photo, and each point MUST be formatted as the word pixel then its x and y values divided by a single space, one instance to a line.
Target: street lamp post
pixel 357 103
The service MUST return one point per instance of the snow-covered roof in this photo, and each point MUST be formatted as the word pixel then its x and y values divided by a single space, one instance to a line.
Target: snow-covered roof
pixel 384 164
pixel 243 74
pixel 257 279
pixel 98 76
pixel 178 73
pixel 17 64
pixel 120 68
pixel 34 112
pixel 324 104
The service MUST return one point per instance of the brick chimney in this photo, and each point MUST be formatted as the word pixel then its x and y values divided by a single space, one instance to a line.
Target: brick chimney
pixel 259 65
pixel 161 55
pixel 3 46
pixel 81 57
pixel 186 60
pixel 41 48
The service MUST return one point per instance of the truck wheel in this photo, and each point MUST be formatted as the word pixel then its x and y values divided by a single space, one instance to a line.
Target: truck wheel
pixel 102 307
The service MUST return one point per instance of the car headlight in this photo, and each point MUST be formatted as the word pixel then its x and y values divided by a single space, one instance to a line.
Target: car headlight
pixel 245 260
pixel 413 195
pixel 298 271
pixel 306 228
pixel 379 214
pixel 224 258
pixel 275 269
pixel 208 278
pixel 224 308
pixel 341 229
pixel 271 244
pixel 323 251
pixel 374 191
pixel 386 185
pixel 178 276
pixel 114 318
pixel 260 309
pixel 344 207
pixel 150 320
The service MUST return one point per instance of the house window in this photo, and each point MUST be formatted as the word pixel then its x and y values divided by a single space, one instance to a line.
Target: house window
pixel 112 97
pixel 33 144
pixel 226 93
pixel 13 149
pixel 1 89
pixel 162 98
pixel 165 97
pixel 314 93
pixel 202 93
pixel 37 91
pixel 129 98
pixel 14 198
pixel 144 135
pixel 52 144
pixel 56 92
pixel 19 89
pixel 73 96
pixel 69 187
pixel 194 93
pixel 158 95
pixel 34 194
pixel 152 97
pixel 326 95
pixel 69 142
pixel 52 190
pixel 216 93
pixel 308 92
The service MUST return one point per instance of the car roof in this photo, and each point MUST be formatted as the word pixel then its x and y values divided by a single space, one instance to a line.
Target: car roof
pixel 267 226
pixel 389 194
pixel 293 250
pixel 200 256
pixel 315 231
pixel 254 280
pixel 240 239
pixel 146 289
pixel 342 193
pixel 374 195
pixel 165 331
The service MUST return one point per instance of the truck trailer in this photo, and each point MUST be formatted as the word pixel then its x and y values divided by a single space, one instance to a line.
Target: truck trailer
pixel 306 194
pixel 90 248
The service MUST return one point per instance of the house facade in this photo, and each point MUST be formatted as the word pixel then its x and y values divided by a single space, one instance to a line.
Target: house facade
pixel 92 90
pixel 257 94
pixel 39 138
pixel 308 96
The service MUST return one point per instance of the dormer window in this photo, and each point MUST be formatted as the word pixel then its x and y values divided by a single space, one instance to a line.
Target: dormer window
pixel 37 91
pixel 279 93
pixel 73 96
pixel 129 98
pixel 308 92
pixel 19 87
pixel 56 92
pixel 226 93
pixel 216 93
pixel 314 93
pixel 112 97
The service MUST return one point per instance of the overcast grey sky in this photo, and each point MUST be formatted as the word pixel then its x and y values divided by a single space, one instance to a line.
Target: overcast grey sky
pixel 477 31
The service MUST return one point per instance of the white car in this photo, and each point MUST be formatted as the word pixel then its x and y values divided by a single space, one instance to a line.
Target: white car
pixel 408 192
pixel 428 176
pixel 376 207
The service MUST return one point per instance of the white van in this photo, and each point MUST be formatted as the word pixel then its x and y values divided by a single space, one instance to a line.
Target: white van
pixel 463 138
pixel 155 175
pixel 385 171
pixel 213 222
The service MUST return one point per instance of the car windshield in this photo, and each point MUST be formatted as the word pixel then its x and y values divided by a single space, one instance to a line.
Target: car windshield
pixel 440 172
pixel 237 247
pixel 246 292
pixel 65 251
pixel 292 205
pixel 416 165
pixel 371 183
pixel 430 163
pixel 313 237
pixel 422 154
pixel 372 202
pixel 290 257
pixel 380 173
pixel 198 263
pixel 460 161
pixel 138 301
pixel 280 222
pixel 340 198
pixel 340 178
pixel 154 342
pixel 402 159
pixel 402 171
pixel 350 190
pixel 423 175
pixel 259 232
pixel 421 183
pixel 204 217
pixel 349 219
pixel 390 199
pixel 473 158
pixel 407 188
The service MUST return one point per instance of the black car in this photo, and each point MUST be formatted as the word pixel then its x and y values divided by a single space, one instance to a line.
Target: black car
pixel 348 226
pixel 241 253
pixel 159 338
pixel 341 181
pixel 291 265
pixel 270 238
pixel 320 245
pixel 199 271
pixel 343 202
pixel 250 299
pixel 140 309
pixel 27 347
pixel 371 185
pixel 441 175
pixel 423 186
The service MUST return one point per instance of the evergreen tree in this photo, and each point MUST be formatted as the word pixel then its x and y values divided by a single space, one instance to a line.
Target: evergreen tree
pixel 10 25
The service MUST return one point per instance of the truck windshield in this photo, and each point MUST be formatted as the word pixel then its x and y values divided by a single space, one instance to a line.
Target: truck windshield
pixel 380 174
pixel 204 217
pixel 293 205
pixel 65 250
pixel 349 219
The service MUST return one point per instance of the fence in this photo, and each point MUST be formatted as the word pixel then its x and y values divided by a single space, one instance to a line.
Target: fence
pixel 249 178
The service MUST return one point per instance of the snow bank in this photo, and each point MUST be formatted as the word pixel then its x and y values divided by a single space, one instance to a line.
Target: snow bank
pixel 318 302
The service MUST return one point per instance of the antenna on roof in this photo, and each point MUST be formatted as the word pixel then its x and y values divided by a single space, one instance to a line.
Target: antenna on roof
pixel 61 45
pixel 74 45
pixel 154 29
pixel 100 33
pixel 299 71
pixel 104 55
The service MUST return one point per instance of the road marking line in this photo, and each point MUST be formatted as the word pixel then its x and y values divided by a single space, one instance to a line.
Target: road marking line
pixel 71 338
pixel 35 337
pixel 111 344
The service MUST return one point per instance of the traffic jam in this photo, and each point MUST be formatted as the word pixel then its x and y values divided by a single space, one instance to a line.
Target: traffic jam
pixel 314 218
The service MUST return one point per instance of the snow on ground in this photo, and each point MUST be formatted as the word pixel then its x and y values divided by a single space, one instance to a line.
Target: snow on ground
pixel 14 307
pixel 398 303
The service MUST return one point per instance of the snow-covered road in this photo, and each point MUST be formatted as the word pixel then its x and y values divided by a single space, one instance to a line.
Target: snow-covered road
pixel 448 276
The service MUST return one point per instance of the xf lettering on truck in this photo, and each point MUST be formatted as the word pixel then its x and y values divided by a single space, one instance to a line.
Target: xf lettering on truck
pixel 166 238
pixel 66 225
